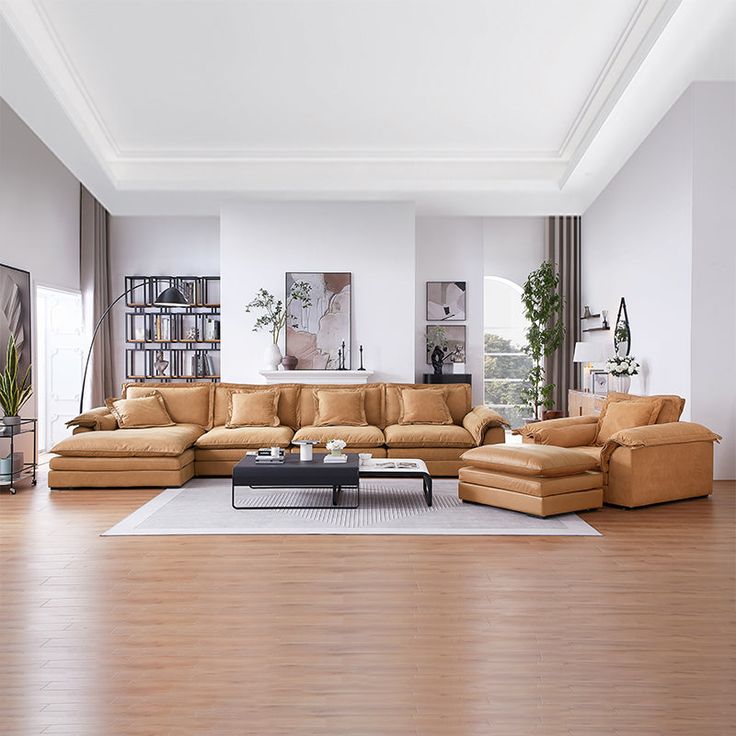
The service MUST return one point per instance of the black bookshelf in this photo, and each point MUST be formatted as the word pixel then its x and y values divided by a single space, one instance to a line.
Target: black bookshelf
pixel 167 344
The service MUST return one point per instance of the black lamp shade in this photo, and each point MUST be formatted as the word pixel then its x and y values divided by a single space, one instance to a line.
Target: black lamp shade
pixel 171 297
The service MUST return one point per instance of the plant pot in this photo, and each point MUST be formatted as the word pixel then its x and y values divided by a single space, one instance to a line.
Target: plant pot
pixel 11 421
pixel 289 362
pixel 620 384
pixel 551 414
pixel 272 357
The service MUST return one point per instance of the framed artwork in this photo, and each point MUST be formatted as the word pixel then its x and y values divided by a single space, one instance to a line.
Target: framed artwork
pixel 15 314
pixel 446 301
pixel 599 382
pixel 450 339
pixel 314 334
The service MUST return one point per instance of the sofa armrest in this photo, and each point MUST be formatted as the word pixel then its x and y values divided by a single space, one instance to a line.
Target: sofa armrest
pixel 93 420
pixel 481 418
pixel 572 435
pixel 656 435
pixel 536 430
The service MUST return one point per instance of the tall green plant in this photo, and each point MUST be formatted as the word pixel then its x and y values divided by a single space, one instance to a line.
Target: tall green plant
pixel 543 309
pixel 14 393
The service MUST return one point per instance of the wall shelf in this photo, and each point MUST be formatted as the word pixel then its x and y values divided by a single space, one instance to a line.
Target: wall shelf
pixel 597 329
pixel 591 316
pixel 187 338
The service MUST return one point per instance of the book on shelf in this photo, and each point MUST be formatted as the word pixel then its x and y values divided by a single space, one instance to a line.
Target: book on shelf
pixel 212 329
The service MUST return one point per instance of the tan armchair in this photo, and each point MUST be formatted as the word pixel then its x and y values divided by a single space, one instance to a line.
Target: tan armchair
pixel 643 465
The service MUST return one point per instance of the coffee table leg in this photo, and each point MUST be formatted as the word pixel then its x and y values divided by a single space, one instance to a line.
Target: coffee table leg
pixel 427 482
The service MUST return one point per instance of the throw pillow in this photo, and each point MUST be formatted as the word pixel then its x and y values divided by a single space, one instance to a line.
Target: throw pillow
pixel 146 411
pixel 422 406
pixel 253 409
pixel 339 408
pixel 620 415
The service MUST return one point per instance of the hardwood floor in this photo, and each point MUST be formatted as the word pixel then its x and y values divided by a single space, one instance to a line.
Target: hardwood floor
pixel 629 633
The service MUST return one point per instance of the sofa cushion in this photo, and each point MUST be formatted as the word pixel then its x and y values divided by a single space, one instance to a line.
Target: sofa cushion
pixel 250 408
pixel 537 460
pixel 247 438
pixel 367 436
pixel 619 415
pixel 187 403
pixel 428 435
pixel 373 402
pixel 457 396
pixel 145 411
pixel 94 419
pixel 152 442
pixel 672 405
pixel 423 407
pixel 288 408
pixel 339 408
pixel 592 451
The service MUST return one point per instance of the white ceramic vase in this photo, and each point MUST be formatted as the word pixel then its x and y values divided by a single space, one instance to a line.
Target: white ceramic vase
pixel 620 384
pixel 272 357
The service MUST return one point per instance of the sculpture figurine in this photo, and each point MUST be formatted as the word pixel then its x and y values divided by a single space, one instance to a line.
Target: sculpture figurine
pixel 437 358
pixel 160 365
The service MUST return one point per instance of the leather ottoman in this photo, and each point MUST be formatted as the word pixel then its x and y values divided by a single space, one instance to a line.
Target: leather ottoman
pixel 541 480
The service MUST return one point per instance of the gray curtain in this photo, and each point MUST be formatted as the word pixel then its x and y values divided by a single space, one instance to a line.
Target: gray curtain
pixel 562 243
pixel 94 275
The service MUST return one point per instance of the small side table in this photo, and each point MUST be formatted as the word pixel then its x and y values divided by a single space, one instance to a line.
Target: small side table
pixel 26 470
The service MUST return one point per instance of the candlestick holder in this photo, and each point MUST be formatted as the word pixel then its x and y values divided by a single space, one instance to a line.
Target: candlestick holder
pixel 361 359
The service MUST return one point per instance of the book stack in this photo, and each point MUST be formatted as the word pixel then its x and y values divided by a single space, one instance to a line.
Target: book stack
pixel 264 456
pixel 202 365
pixel 335 459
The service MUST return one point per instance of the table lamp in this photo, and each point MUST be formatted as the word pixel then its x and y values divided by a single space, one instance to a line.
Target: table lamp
pixel 589 353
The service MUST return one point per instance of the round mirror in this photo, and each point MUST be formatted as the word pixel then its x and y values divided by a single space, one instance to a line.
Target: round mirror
pixel 622 331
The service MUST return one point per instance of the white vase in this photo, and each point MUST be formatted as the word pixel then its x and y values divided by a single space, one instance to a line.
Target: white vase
pixel 620 384
pixel 272 357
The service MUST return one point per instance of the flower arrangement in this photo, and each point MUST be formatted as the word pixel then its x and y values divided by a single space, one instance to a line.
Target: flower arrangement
pixel 336 446
pixel 274 313
pixel 626 366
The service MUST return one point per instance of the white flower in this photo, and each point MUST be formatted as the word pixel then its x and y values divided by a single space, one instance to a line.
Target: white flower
pixel 335 445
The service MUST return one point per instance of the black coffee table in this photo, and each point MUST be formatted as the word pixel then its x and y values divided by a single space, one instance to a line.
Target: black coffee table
pixel 294 473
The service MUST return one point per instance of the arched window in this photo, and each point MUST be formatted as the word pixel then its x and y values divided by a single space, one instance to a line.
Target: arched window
pixel 505 364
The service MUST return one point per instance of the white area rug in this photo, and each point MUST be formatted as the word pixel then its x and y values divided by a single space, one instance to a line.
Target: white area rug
pixel 386 507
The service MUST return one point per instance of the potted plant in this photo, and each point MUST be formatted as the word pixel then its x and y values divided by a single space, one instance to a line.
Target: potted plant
pixel 274 316
pixel 621 369
pixel 543 309
pixel 13 392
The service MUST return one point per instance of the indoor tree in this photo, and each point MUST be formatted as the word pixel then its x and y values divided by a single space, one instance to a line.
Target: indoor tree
pixel 543 309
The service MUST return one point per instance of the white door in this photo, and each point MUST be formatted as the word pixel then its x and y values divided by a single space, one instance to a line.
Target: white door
pixel 60 350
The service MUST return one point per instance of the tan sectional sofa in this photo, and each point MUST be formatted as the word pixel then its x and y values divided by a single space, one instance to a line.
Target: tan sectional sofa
pixel 666 460
pixel 100 455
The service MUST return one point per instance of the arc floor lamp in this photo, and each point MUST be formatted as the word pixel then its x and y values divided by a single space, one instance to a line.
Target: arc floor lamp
pixel 169 297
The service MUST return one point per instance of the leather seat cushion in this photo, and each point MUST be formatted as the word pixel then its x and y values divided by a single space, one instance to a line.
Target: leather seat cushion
pixel 532 486
pixel 428 435
pixel 368 436
pixel 535 460
pixel 149 442
pixel 247 438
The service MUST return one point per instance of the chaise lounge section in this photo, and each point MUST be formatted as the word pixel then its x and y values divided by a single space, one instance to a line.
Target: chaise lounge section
pixel 199 442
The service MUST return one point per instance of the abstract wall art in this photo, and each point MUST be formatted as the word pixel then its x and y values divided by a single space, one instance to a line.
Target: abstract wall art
pixel 314 334
pixel 15 314
pixel 446 301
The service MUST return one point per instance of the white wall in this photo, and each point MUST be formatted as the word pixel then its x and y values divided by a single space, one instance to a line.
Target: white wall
pixel 637 241
pixel 374 241
pixel 468 249
pixel 39 214
pixel 713 397
pixel 662 235
pixel 157 246
pixel 451 249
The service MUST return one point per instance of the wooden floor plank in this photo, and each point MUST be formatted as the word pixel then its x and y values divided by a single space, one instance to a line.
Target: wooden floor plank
pixel 628 633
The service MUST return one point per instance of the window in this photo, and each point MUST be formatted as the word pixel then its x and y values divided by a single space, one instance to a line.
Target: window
pixel 505 364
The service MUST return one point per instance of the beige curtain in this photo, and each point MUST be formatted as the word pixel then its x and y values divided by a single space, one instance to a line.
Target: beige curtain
pixel 562 242
pixel 94 274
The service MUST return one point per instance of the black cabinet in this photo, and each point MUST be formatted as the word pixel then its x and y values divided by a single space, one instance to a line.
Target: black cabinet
pixel 449 378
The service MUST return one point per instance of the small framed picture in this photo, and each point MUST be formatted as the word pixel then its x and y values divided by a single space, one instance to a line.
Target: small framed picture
pixel 446 301
pixel 599 382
